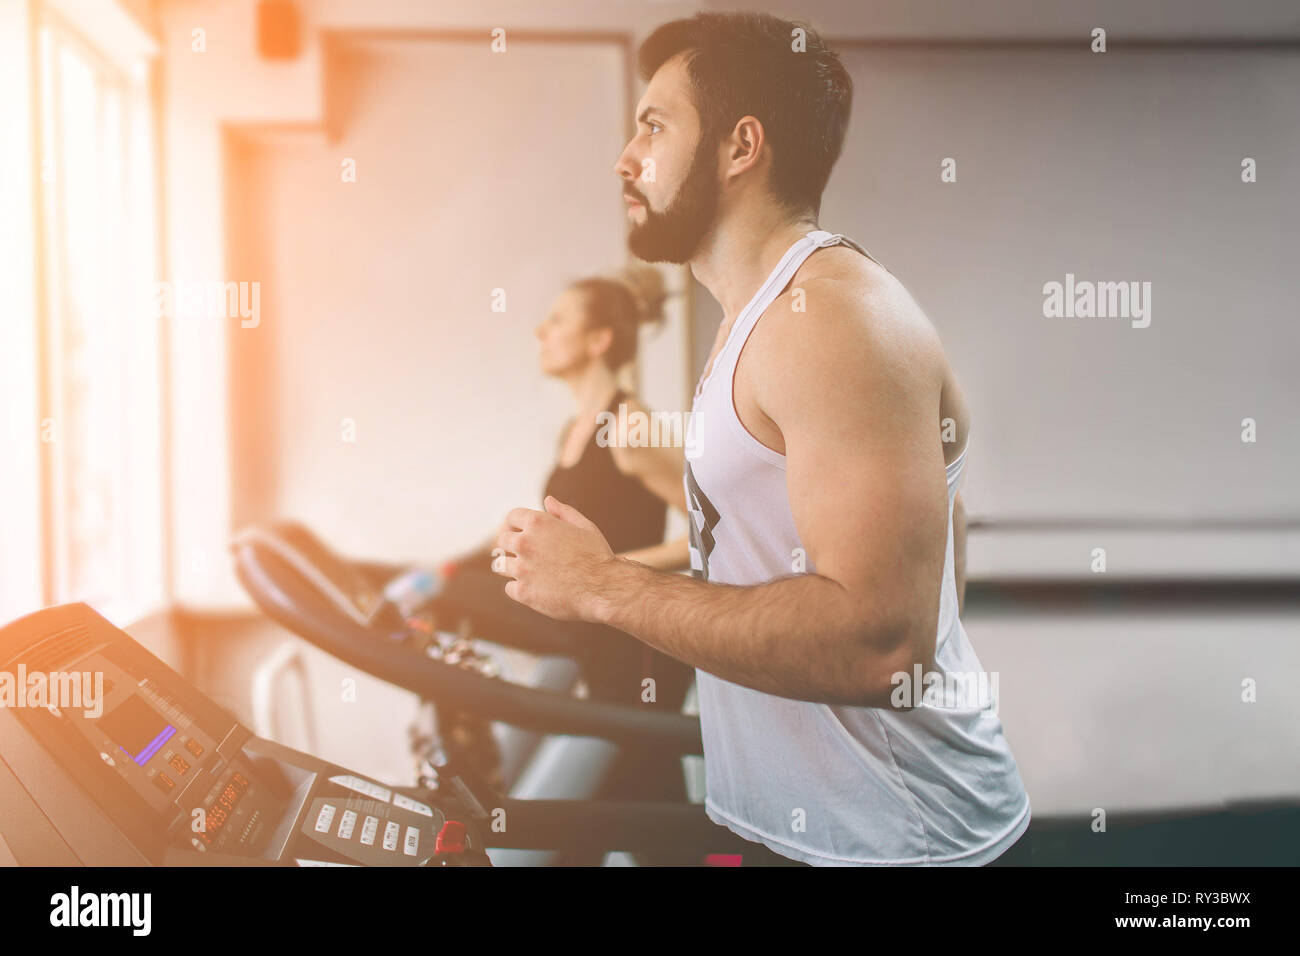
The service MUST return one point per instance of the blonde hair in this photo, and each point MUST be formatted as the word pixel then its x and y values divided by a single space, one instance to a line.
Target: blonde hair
pixel 622 303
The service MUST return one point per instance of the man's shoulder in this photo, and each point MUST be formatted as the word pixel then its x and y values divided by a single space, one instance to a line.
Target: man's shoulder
pixel 847 305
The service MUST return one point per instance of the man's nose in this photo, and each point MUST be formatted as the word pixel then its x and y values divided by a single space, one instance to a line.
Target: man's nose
pixel 625 167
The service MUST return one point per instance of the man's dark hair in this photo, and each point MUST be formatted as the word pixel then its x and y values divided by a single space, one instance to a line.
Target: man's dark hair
pixel 746 64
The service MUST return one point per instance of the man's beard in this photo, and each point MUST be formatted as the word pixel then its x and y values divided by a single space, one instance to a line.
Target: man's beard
pixel 674 234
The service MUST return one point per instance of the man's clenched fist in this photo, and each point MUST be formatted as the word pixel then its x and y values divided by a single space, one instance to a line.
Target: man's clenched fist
pixel 556 558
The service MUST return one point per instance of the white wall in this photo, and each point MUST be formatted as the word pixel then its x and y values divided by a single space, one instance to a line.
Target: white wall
pixel 1144 711
pixel 377 295
pixel 210 76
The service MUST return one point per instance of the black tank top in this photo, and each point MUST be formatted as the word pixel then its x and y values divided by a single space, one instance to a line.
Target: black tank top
pixel 628 514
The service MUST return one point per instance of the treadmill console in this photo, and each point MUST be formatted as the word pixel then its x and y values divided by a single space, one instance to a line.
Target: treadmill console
pixel 179 777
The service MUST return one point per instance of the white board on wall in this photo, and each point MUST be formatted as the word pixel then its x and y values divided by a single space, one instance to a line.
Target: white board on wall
pixel 1117 167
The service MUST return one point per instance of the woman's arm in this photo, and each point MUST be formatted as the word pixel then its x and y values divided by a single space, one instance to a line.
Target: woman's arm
pixel 658 467
pixel 669 556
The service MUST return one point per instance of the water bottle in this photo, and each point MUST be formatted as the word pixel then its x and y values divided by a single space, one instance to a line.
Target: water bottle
pixel 413 589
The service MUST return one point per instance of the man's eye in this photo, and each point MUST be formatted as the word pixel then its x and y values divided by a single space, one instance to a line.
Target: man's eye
pixel 653 127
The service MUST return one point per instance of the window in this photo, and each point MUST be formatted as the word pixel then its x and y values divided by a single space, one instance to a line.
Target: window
pixel 98 364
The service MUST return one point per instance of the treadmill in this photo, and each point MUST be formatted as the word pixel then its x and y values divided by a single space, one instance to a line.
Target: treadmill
pixel 108 757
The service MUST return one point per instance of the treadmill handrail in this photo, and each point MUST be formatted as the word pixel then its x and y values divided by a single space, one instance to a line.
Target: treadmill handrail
pixel 492 698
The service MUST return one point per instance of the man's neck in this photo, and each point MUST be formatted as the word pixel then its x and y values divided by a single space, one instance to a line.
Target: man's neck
pixel 735 259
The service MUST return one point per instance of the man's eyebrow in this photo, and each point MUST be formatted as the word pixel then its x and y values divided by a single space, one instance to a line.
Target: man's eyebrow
pixel 651 111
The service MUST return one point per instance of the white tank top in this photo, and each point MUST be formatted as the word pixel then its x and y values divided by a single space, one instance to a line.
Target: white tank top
pixel 826 784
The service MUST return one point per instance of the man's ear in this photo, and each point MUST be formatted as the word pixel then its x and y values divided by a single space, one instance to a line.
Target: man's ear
pixel 745 145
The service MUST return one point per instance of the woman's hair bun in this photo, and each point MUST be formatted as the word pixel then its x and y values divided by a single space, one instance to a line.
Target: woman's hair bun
pixel 646 283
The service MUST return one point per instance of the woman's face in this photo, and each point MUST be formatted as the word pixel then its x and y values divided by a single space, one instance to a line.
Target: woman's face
pixel 567 345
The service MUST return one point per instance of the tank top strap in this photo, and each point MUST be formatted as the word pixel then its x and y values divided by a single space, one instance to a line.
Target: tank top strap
pixel 767 293
pixel 829 239
pixel 772 287
pixel 794 257
pixel 957 466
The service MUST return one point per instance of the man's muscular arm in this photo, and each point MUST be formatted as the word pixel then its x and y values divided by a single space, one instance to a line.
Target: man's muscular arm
pixel 853 388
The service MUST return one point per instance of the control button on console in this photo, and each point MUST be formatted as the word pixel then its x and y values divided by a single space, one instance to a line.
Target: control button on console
pixel 346 824
pixel 368 830
pixel 406 803
pixel 451 838
pixel 391 829
pixel 325 818
pixel 372 790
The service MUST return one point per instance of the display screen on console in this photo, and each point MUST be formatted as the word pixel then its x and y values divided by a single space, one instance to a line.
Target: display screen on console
pixel 137 728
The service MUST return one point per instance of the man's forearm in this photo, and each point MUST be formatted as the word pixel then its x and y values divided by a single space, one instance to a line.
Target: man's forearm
pixel 798 637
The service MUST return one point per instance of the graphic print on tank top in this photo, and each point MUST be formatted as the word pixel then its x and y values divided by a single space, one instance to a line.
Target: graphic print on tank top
pixel 703 519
